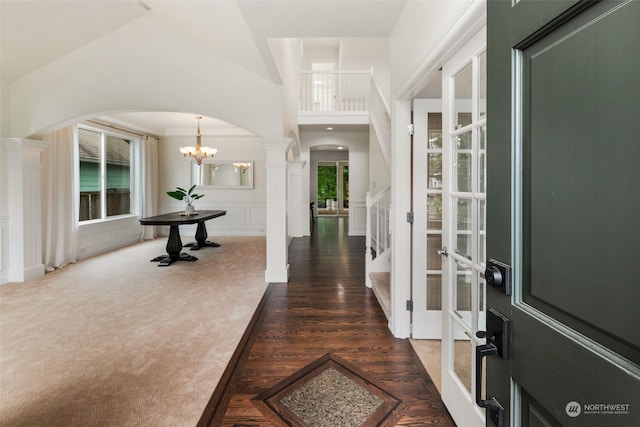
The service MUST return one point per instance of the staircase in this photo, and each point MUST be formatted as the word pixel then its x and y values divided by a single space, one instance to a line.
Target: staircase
pixel 381 285
pixel 378 248
pixel 378 251
pixel 356 94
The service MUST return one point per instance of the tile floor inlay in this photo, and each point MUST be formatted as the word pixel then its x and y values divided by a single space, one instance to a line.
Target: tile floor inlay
pixel 326 393
pixel 332 399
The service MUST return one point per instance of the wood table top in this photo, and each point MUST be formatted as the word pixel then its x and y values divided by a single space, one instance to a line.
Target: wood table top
pixel 178 218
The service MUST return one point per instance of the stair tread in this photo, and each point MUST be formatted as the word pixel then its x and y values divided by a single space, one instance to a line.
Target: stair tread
pixel 381 284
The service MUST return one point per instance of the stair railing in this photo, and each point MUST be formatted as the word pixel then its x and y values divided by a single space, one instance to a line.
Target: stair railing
pixel 378 237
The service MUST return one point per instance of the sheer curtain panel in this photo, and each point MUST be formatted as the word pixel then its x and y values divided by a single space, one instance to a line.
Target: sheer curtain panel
pixel 149 183
pixel 59 200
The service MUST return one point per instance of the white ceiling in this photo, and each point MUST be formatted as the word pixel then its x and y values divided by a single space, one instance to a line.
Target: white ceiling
pixel 34 33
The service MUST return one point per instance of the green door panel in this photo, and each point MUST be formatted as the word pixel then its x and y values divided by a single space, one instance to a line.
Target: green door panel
pixel 563 200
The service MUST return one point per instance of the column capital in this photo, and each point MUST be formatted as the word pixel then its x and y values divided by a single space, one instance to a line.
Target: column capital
pixel 297 165
pixel 24 144
pixel 277 144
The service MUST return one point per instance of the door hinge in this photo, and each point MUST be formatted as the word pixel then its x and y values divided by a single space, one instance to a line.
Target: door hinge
pixel 409 305
pixel 410 217
pixel 410 129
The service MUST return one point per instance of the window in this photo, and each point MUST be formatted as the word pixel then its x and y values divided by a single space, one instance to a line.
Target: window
pixel 105 174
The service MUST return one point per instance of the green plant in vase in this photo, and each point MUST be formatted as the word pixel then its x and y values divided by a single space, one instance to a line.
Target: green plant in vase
pixel 188 196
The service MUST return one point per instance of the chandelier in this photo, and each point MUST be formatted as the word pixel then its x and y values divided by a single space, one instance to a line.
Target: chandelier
pixel 198 152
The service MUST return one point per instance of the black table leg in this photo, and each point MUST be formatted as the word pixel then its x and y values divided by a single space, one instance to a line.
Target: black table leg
pixel 174 246
pixel 201 238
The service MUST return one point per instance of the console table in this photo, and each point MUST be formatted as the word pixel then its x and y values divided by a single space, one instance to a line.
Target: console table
pixel 174 243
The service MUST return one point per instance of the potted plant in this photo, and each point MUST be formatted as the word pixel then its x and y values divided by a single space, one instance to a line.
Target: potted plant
pixel 188 196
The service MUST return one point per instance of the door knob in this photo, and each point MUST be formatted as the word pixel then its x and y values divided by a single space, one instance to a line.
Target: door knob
pixel 443 252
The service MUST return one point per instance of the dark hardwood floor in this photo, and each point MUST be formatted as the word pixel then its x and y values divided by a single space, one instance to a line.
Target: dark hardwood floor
pixel 324 309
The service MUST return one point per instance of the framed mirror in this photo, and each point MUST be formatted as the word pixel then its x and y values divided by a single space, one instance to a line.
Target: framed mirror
pixel 223 174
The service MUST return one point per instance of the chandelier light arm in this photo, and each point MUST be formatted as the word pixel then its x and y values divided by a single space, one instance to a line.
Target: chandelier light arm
pixel 198 153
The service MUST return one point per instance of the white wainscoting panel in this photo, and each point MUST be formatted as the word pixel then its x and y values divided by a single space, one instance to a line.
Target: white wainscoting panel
pixel 241 219
pixel 99 237
pixel 357 217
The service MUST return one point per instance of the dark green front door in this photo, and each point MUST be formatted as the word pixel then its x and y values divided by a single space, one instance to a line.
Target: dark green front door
pixel 563 209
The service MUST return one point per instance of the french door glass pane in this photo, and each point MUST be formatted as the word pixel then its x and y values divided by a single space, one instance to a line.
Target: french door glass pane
pixel 462 103
pixel 462 348
pixel 463 230
pixel 434 134
pixel 463 141
pixel 434 212
pixel 463 163
pixel 482 89
pixel 434 292
pixel 482 161
pixel 434 244
pixel 434 168
pixel 463 169
pixel 481 302
pixel 463 292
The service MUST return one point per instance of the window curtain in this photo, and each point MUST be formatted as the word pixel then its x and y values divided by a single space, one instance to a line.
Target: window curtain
pixel 149 183
pixel 59 200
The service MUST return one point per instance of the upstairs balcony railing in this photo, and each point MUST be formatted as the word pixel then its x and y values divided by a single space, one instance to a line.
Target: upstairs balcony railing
pixel 339 91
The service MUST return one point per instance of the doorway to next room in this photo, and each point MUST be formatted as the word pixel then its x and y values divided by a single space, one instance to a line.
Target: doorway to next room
pixel 333 188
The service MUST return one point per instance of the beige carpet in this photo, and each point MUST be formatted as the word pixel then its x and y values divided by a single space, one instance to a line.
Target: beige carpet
pixel 117 341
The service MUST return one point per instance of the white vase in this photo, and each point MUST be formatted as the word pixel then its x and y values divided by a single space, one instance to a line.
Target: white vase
pixel 189 210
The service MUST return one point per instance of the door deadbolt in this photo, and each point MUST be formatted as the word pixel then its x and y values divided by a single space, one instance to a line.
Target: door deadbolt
pixel 498 276
pixel 493 276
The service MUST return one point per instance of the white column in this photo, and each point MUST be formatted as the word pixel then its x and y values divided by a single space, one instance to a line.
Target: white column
pixel 298 207
pixel 276 157
pixel 24 201
pixel 400 324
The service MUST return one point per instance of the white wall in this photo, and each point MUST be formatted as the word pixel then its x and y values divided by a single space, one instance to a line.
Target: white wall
pixel 364 53
pixel 358 144
pixel 379 178
pixel 419 29
pixel 245 208
pixel 143 66
pixel 286 56
pixel 315 54
pixel 4 109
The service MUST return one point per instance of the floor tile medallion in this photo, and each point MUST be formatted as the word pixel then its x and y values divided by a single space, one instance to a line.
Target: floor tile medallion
pixel 328 392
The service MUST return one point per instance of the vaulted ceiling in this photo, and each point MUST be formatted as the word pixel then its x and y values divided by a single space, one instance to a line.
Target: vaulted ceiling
pixel 35 33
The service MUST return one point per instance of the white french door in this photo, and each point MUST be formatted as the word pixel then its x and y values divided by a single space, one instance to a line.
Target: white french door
pixel 427 222
pixel 463 212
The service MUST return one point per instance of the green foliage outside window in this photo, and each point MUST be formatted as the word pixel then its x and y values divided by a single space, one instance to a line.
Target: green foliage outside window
pixel 327 183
